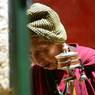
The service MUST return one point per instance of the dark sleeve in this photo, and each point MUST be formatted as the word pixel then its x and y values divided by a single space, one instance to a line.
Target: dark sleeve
pixel 44 81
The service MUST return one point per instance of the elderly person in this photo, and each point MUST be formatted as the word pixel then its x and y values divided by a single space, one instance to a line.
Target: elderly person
pixel 48 36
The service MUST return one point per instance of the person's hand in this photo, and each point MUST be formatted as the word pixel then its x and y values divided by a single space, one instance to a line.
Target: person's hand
pixel 68 60
pixel 45 22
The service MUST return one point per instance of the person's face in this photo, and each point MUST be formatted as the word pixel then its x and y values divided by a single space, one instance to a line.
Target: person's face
pixel 44 52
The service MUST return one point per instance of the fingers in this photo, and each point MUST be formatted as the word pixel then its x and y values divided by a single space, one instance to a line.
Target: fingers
pixel 64 63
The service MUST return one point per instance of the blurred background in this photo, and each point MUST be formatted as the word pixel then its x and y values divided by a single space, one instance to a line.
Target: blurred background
pixel 4 54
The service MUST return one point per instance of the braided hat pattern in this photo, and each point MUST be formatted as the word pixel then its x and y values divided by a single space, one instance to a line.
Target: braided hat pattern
pixel 45 22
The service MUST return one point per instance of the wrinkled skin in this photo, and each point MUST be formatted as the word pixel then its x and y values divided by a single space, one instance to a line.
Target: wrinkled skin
pixel 44 52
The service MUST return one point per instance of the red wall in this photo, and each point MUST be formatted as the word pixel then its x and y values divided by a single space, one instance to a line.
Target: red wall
pixel 78 17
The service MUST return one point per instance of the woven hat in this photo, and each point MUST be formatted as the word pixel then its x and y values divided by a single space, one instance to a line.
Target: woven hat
pixel 46 23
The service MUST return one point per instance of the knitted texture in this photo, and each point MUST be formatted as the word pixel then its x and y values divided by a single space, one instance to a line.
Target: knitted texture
pixel 45 22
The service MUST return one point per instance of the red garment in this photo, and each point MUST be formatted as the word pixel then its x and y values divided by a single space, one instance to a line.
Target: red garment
pixel 45 82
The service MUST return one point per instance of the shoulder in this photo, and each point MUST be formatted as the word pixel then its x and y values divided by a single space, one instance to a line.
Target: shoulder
pixel 86 54
pixel 82 49
pixel 85 50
